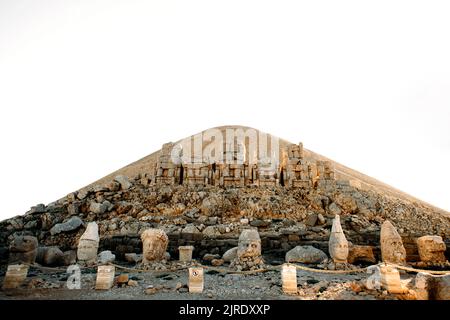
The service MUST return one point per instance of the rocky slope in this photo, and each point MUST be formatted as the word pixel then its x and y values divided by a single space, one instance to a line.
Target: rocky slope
pixel 211 218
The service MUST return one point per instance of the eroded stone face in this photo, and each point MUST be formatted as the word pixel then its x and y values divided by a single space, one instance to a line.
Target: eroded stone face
pixel 249 244
pixel 392 249
pixel 338 244
pixel 249 251
pixel 88 244
pixel 431 249
pixel 23 249
pixel 154 245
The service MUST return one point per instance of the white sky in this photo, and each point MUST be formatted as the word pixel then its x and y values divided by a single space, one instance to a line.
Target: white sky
pixel 87 87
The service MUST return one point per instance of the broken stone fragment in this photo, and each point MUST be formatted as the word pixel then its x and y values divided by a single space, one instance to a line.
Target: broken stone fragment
pixel 105 257
pixel 99 208
pixel 230 254
pixel 70 225
pixel 50 256
pixel 133 257
pixel 125 184
pixel 154 245
pixel 334 209
pixel 390 280
pixel 306 254
pixel 431 249
pixel 392 249
pixel 361 254
pixel 338 244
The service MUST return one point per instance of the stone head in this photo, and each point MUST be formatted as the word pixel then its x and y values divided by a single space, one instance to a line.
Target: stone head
pixel 154 244
pixel 249 244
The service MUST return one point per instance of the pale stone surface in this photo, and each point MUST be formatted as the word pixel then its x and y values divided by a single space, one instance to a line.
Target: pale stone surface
pixel 338 244
pixel 392 249
pixel 124 182
pixel 88 244
pixel 230 254
pixel 106 257
pixel 185 253
pixel 154 243
pixel 15 276
pixel 431 249
pixel 105 277
pixel 248 255
pixel 390 280
pixel 306 254
pixel 289 278
pixel 196 282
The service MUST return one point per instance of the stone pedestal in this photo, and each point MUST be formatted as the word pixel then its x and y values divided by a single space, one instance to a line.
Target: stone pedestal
pixel 105 277
pixel 15 276
pixel 196 282
pixel 390 280
pixel 289 278
pixel 185 253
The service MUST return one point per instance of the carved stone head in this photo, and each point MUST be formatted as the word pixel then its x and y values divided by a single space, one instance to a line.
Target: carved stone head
pixel 338 244
pixel 392 249
pixel 249 244
pixel 431 249
pixel 154 244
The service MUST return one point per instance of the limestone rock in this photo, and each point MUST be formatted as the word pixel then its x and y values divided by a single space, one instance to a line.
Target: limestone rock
pixel 211 232
pixel 361 254
pixel 154 243
pixel 50 256
pixel 70 225
pixel 185 253
pixel 431 249
pixel 23 249
pixel 125 184
pixel 338 244
pixel 392 249
pixel 105 257
pixel 311 220
pixel 230 254
pixel 347 203
pixel 70 257
pixel 133 257
pixel 305 254
pixel 390 280
pixel 83 193
pixel 190 229
pixel 88 244
pixel 431 287
pixel 217 262
pixel 334 209
pixel 98 208
pixel 442 287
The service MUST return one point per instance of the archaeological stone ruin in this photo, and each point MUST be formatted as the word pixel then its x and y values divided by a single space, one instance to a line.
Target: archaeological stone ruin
pixel 236 201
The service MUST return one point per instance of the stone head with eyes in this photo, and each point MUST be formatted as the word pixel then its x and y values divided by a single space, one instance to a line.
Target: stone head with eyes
pixel 249 244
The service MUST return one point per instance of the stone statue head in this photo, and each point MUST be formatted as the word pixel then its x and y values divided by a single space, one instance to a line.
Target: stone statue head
pixel 338 244
pixel 249 244
pixel 392 249
pixel 154 244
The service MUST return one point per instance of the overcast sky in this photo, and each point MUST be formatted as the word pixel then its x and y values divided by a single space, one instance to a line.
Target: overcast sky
pixel 87 87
